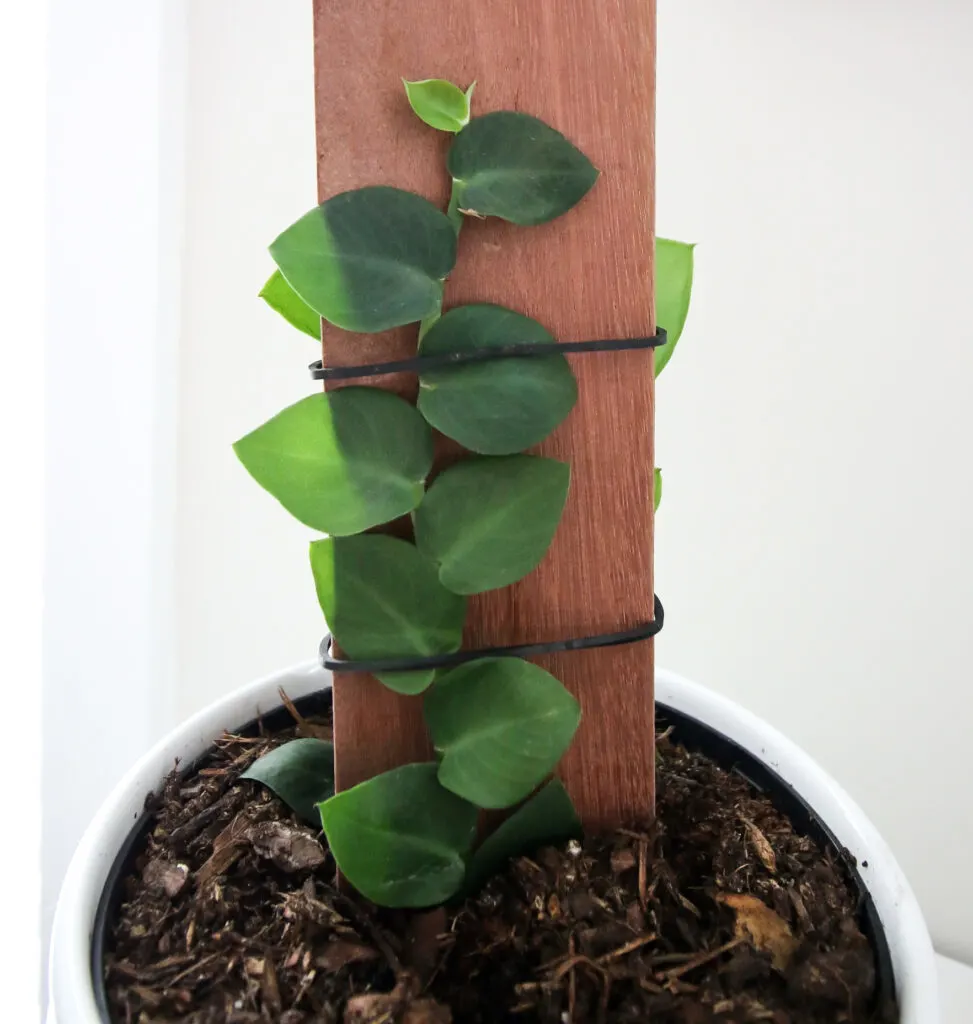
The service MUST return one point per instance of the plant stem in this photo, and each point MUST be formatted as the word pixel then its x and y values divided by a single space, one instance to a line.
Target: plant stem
pixel 453 210
pixel 456 219
pixel 426 323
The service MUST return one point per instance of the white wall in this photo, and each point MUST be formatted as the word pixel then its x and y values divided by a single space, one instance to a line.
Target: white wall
pixel 245 596
pixel 814 551
pixel 23 103
pixel 114 224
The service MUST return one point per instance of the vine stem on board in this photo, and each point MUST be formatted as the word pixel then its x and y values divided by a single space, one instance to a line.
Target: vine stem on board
pixel 456 218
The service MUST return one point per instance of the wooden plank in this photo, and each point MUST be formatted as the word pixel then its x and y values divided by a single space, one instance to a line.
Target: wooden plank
pixel 587 68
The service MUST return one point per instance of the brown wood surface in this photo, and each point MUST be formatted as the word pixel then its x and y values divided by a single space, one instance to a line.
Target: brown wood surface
pixel 587 67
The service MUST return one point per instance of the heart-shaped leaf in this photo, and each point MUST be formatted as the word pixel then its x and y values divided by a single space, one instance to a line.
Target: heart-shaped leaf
pixel 514 166
pixel 343 461
pixel 439 103
pixel 300 772
pixel 546 819
pixel 673 287
pixel 279 295
pixel 370 259
pixel 400 838
pixel 489 521
pixel 500 726
pixel 382 599
pixel 500 407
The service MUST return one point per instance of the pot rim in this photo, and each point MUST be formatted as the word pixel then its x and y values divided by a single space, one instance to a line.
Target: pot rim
pixel 910 948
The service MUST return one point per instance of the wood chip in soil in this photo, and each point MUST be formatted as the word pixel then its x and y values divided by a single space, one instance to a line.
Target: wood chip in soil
pixel 719 913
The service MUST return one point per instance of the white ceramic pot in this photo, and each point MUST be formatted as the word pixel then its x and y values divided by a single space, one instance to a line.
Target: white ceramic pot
pixel 71 993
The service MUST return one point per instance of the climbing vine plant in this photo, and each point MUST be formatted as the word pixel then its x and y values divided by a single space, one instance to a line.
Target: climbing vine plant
pixel 348 460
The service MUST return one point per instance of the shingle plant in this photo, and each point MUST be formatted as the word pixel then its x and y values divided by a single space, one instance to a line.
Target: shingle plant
pixel 348 460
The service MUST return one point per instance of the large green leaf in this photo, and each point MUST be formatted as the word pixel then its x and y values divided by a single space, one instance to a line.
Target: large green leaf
pixel 513 166
pixel 300 772
pixel 343 461
pixel 489 521
pixel 500 726
pixel 381 599
pixel 279 295
pixel 400 838
pixel 370 259
pixel 673 287
pixel 657 488
pixel 546 819
pixel 439 103
pixel 499 407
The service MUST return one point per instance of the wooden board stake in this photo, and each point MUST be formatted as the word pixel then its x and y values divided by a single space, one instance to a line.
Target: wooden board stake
pixel 587 68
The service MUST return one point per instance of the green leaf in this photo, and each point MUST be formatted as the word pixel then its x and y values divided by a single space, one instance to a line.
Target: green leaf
pixel 370 259
pixel 343 461
pixel 500 726
pixel 657 487
pixel 515 167
pixel 381 598
pixel 279 295
pixel 300 772
pixel 400 838
pixel 534 393
pixel 439 103
pixel 489 521
pixel 673 286
pixel 546 819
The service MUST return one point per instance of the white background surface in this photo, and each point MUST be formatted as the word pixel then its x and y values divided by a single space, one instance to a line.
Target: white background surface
pixel 115 176
pixel 814 548
pixel 23 90
pixel 814 552
pixel 955 991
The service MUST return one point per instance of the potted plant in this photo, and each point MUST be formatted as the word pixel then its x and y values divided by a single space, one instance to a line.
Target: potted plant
pixel 468 891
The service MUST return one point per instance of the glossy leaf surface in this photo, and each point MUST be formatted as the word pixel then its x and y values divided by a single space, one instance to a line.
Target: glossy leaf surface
pixel 343 461
pixel 381 598
pixel 498 407
pixel 673 288
pixel 369 259
pixel 488 521
pixel 439 103
pixel 546 819
pixel 401 839
pixel 515 167
pixel 300 772
pixel 281 298
pixel 500 725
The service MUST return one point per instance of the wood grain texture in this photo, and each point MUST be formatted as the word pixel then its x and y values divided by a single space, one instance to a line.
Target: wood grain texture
pixel 587 68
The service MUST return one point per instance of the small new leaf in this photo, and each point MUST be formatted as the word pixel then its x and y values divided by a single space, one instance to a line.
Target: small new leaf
pixel 400 838
pixel 281 298
pixel 344 461
pixel 515 167
pixel 500 726
pixel 300 772
pixel 381 598
pixel 673 287
pixel 489 521
pixel 546 819
pixel 369 259
pixel 439 103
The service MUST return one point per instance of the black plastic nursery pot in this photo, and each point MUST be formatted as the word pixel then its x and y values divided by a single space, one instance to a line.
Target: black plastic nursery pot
pixel 685 730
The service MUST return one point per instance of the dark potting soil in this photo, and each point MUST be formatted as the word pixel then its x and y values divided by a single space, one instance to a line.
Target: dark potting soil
pixel 721 912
